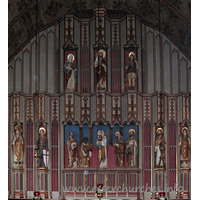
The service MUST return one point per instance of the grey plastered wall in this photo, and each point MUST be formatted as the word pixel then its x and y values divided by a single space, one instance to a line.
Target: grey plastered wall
pixel 34 77
pixel 11 76
pixel 26 69
pixel 42 60
pixel 51 59
pixel 18 72
pixel 150 60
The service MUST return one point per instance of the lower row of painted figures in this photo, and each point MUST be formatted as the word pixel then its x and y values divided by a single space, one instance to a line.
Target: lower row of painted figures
pixel 130 148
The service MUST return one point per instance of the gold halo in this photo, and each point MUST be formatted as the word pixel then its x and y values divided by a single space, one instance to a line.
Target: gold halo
pixel 18 127
pixel 185 128
pixel 103 52
pixel 100 131
pixel 131 53
pixel 69 56
pixel 131 130
pixel 159 129
pixel 42 128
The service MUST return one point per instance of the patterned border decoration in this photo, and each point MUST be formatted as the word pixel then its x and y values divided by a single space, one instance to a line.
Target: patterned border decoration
pixel 172 108
pixel 100 25
pixel 186 108
pixel 69 29
pixel 16 108
pixel 55 108
pixel 160 108
pixel 116 109
pixel 29 109
pixel 132 107
pixel 115 34
pixel 85 110
pixel 130 32
pixel 41 108
pixel 147 108
pixel 69 106
pixel 101 107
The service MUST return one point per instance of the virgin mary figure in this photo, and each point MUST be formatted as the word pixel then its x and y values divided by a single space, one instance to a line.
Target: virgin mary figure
pixel 70 71
pixel 102 149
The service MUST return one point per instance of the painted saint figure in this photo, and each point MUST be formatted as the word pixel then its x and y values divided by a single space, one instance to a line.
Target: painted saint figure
pixel 102 149
pixel 85 154
pixel 131 69
pixel 100 66
pixel 70 71
pixel 42 147
pixel 72 151
pixel 18 145
pixel 119 150
pixel 131 149
pixel 160 149
pixel 185 146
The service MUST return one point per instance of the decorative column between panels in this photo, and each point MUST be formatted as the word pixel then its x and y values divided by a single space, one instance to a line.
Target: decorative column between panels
pixel 18 183
pixel 43 182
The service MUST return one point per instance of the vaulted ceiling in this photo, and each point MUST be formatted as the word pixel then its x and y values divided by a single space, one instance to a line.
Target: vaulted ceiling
pixel 174 20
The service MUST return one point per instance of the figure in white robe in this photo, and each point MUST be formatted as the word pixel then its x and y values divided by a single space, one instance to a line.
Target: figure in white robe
pixel 102 149
pixel 70 70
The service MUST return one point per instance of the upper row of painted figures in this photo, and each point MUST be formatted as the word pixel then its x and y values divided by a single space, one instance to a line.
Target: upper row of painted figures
pixel 130 148
pixel 100 67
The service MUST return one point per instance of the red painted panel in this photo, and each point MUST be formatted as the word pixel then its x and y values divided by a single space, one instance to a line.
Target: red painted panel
pixel 42 182
pixel 111 157
pixel 17 181
pixel 185 182
pixel 54 180
pixel 94 158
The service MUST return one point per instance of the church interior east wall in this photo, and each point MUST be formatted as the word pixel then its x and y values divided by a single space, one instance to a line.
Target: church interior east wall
pixel 38 96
